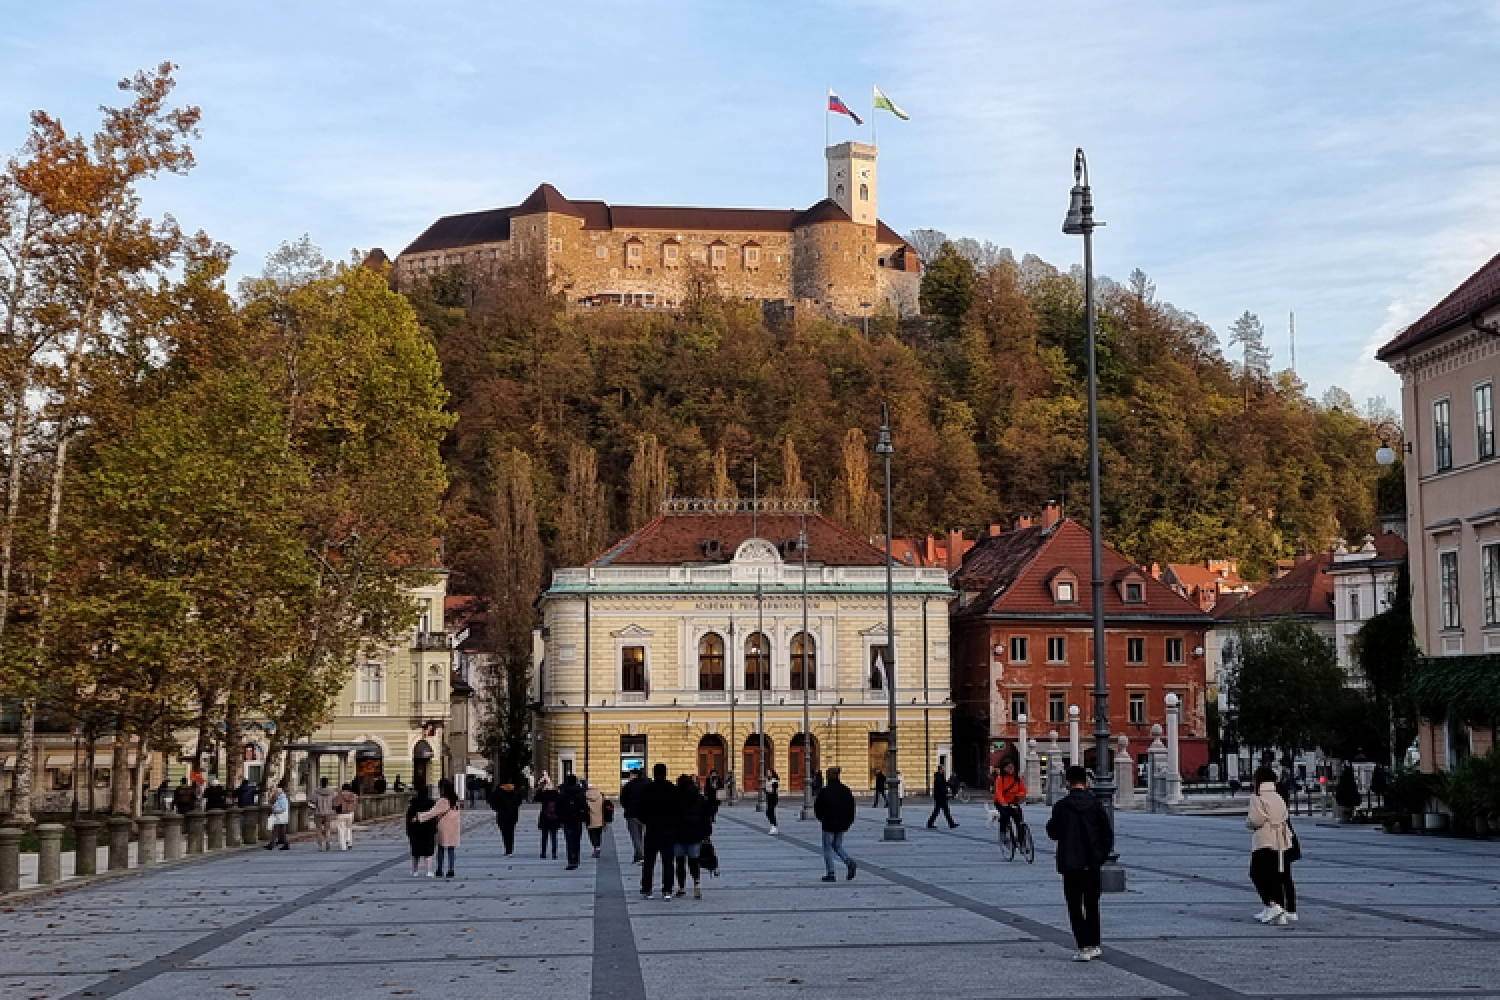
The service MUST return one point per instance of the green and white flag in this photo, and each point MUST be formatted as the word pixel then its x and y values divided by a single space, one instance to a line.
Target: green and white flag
pixel 885 103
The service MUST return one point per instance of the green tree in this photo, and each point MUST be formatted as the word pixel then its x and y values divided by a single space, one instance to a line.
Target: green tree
pixel 1283 681
pixel 949 287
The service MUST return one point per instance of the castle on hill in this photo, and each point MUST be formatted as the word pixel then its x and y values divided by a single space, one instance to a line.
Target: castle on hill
pixel 836 257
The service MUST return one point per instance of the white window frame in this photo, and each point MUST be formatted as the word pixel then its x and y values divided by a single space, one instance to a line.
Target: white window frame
pixel 1025 700
pixel 1136 698
pixel 1489 561
pixel 1442 434
pixel 1057 700
pixel 1175 656
pixel 1449 608
pixel 1062 642
pixel 371 683
pixel 1132 643
pixel 1022 644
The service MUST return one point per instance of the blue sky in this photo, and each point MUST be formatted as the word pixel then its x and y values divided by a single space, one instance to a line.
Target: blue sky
pixel 1336 159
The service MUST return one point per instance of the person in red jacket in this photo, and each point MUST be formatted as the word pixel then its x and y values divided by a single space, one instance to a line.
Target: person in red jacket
pixel 1010 792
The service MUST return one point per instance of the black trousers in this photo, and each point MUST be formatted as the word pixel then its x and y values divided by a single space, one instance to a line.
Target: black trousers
pixel 657 847
pixel 573 837
pixel 771 799
pixel 596 836
pixel 1272 880
pixel 940 806
pixel 1081 890
pixel 508 834
pixel 879 794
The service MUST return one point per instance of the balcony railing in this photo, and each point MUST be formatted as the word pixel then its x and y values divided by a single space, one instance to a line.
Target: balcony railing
pixel 432 642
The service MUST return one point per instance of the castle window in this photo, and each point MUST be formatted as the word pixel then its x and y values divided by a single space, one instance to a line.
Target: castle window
pixel 864 192
pixel 752 257
pixel 557 246
pixel 720 256
pixel 669 255
pixel 632 254
pixel 838 193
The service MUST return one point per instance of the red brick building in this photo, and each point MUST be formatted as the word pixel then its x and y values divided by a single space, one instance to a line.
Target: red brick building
pixel 1023 644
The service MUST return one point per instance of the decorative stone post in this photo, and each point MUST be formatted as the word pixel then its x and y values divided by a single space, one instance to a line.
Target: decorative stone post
pixel 49 853
pixel 86 847
pixel 1173 788
pixel 234 828
pixel 1157 770
pixel 119 843
pixel 195 831
pixel 1126 796
pixel 171 835
pixel 145 839
pixel 10 859
pixel 215 829
pixel 1055 787
pixel 1075 747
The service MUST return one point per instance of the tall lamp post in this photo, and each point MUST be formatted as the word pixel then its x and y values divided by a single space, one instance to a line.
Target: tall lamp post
pixel 1080 222
pixel 1386 456
pixel 883 447
pixel 761 655
pixel 807 802
pixel 729 757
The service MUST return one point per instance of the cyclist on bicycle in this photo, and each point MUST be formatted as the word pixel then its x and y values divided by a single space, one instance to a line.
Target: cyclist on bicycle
pixel 1010 792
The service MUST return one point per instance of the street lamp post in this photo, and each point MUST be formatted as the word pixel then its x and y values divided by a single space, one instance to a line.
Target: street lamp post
pixel 883 447
pixel 729 757
pixel 807 802
pixel 1080 222
pixel 761 653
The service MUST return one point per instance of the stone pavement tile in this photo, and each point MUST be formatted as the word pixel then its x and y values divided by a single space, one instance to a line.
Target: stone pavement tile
pixel 44 987
pixel 872 927
pixel 101 954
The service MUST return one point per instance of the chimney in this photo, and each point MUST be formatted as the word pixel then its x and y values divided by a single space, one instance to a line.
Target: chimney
pixel 1051 514
pixel 955 548
pixel 995 529
pixel 1024 521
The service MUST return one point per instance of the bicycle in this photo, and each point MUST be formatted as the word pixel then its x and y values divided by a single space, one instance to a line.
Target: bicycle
pixel 1020 839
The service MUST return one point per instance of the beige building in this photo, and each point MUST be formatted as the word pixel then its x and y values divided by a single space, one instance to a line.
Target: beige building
pixel 674 644
pixel 835 258
pixel 1449 363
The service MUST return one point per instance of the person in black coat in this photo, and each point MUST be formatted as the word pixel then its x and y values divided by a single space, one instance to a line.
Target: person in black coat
pixel 630 803
pixel 505 799
pixel 1085 840
pixel 548 820
pixel 422 836
pixel 660 810
pixel 573 810
pixel 879 789
pixel 940 800
pixel 693 828
pixel 834 809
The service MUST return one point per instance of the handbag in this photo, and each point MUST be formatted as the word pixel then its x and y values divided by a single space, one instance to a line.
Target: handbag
pixel 609 811
pixel 1293 853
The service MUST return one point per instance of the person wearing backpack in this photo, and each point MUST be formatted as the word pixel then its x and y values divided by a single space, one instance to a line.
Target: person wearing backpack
pixel 573 810
pixel 548 821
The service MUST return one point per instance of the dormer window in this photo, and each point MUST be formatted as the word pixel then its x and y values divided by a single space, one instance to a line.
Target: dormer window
pixel 1132 587
pixel 1133 593
pixel 1064 586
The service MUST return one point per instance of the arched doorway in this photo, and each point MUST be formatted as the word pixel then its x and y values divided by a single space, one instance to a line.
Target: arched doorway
pixel 421 764
pixel 795 759
pixel 712 756
pixel 369 767
pixel 750 779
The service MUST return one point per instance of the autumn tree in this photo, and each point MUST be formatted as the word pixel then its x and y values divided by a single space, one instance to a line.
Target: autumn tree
pixel 650 480
pixel 855 503
pixel 583 509
pixel 516 577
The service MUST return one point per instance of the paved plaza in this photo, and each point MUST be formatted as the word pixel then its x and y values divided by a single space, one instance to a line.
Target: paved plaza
pixel 938 916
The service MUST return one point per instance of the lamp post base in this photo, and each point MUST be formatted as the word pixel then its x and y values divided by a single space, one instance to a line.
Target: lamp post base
pixel 893 830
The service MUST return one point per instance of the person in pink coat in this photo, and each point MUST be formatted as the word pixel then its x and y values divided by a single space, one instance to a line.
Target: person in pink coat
pixel 449 823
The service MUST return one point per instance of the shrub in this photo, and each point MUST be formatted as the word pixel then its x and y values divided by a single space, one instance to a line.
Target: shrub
pixel 1347 792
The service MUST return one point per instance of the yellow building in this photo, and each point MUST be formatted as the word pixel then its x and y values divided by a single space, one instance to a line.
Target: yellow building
pixel 673 646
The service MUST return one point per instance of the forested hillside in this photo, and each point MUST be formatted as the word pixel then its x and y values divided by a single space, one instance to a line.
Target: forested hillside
pixel 584 419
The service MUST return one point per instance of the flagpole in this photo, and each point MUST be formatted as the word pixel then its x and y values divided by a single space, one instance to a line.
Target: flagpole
pixel 874 140
pixel 827 115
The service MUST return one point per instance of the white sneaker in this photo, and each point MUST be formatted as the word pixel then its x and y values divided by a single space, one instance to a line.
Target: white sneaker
pixel 772 831
pixel 1279 920
pixel 415 873
pixel 1095 951
pixel 1273 913
pixel 1083 955
pixel 1290 916
pixel 429 873
pixel 1265 912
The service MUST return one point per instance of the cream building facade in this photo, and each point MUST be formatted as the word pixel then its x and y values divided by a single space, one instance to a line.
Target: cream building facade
pixel 655 651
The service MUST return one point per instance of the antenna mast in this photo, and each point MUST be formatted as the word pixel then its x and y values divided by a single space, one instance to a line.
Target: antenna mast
pixel 1292 332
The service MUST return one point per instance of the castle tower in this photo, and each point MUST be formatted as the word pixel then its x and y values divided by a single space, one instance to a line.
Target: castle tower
pixel 851 180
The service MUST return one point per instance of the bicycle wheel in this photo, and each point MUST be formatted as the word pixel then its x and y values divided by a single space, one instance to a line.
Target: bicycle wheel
pixel 1007 842
pixel 1028 846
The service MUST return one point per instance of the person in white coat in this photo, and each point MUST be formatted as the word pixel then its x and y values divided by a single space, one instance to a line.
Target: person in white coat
pixel 281 815
pixel 1270 842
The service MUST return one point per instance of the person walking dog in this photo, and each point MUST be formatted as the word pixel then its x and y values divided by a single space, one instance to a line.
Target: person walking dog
pixel 834 810
pixel 1085 841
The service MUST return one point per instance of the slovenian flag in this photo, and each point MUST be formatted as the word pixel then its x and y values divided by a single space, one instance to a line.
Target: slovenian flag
pixel 881 101
pixel 836 104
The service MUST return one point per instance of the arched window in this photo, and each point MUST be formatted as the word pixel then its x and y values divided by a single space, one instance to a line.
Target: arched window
pixel 711 663
pixel 757 662
pixel 864 192
pixel 838 192
pixel 804 661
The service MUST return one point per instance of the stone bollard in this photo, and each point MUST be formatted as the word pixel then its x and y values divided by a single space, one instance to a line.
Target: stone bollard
pixel 196 826
pixel 234 827
pixel 119 843
pixel 250 824
pixel 215 818
pixel 145 839
pixel 49 853
pixel 86 847
pixel 1126 796
pixel 10 859
pixel 171 836
pixel 1156 771
pixel 1172 793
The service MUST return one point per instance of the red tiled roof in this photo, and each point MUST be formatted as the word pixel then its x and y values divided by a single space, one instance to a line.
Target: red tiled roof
pixel 1192 575
pixel 1015 567
pixel 678 538
pixel 1306 590
pixel 1479 292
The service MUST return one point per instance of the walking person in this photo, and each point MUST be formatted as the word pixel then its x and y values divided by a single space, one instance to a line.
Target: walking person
pixel 281 815
pixel 323 813
pixel 1085 841
pixel 573 810
pixel 547 819
pixel 880 793
pixel 595 826
pixel 630 802
pixel 1270 842
pixel 660 806
pixel 505 799
pixel 711 789
pixel 834 810
pixel 450 823
pixel 421 834
pixel 343 808
pixel 940 800
pixel 691 831
pixel 773 796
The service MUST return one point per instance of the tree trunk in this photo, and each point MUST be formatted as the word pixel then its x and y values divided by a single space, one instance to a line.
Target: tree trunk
pixel 234 745
pixel 142 778
pixel 77 766
pixel 119 779
pixel 93 739
pixel 20 798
